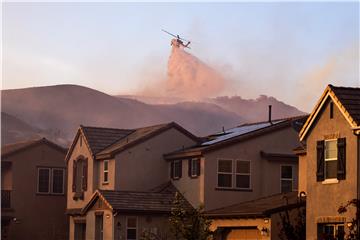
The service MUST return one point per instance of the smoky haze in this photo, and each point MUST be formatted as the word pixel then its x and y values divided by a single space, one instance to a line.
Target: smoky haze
pixel 190 78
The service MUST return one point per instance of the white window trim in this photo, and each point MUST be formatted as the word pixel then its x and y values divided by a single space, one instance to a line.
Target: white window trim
pixel 232 172
pixel 242 174
pixel 136 228
pixel 38 176
pixel 192 167
pixel 106 171
pixel 287 179
pixel 329 180
pixel 174 167
pixel 52 178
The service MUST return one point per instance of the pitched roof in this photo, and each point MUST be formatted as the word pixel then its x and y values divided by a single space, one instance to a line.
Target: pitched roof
pixel 99 138
pixel 256 208
pixel 345 98
pixel 160 201
pixel 105 142
pixel 237 134
pixel 139 135
pixel 14 148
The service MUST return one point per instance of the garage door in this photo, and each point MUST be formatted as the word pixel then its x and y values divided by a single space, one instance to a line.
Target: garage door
pixel 244 234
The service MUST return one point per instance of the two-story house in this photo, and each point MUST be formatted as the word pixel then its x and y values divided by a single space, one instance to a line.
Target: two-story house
pixel 33 192
pixel 329 162
pixel 241 164
pixel 119 181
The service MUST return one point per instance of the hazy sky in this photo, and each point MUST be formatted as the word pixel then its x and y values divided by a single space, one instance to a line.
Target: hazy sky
pixel 287 50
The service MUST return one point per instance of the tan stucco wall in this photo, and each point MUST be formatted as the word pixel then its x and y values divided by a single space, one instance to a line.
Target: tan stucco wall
pixel 302 172
pixel 92 175
pixel 323 200
pixel 250 222
pixel 143 167
pixel 38 216
pixel 265 174
pixel 191 188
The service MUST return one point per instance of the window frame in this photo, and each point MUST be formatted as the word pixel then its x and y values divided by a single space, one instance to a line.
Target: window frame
pixel 52 180
pixel 179 161
pixel 127 227
pixel 38 178
pixel 227 173
pixel 194 166
pixel 287 179
pixel 329 159
pixel 335 226
pixel 242 174
pixel 106 172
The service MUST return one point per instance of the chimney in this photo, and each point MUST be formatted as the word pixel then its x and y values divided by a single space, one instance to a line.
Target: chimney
pixel 269 113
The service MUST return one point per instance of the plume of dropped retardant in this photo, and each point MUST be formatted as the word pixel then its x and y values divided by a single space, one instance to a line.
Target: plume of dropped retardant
pixel 190 78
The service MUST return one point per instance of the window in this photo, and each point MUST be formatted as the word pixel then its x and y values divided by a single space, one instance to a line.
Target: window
pixel 176 169
pixel 225 173
pixel 331 231
pixel 286 178
pixel 51 180
pixel 131 228
pixel 331 152
pixel 79 183
pixel 194 167
pixel 43 180
pixel 242 174
pixel 106 171
pixel 58 180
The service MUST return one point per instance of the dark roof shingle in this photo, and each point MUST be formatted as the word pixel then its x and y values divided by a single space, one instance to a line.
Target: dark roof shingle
pixel 350 99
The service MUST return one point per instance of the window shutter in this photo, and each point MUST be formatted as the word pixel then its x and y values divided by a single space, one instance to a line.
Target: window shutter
pixel 172 169
pixel 189 168
pixel 198 167
pixel 180 168
pixel 74 176
pixel 320 161
pixel 85 175
pixel 341 144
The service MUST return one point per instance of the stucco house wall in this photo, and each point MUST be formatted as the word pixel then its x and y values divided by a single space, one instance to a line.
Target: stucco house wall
pixel 323 200
pixel 265 175
pixel 142 166
pixel 38 216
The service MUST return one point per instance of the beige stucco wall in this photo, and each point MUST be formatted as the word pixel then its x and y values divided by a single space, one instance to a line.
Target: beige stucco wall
pixel 92 176
pixel 38 216
pixel 143 167
pixel 323 200
pixel 265 174
pixel 302 172
pixel 250 222
pixel 192 188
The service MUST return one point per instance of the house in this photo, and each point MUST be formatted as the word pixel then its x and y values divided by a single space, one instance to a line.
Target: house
pixel 239 164
pixel 256 219
pixel 119 182
pixel 329 160
pixel 33 193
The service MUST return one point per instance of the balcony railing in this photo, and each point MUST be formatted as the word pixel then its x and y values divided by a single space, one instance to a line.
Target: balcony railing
pixel 5 198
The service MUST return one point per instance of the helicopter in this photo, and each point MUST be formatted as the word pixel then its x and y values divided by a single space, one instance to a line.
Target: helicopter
pixel 178 41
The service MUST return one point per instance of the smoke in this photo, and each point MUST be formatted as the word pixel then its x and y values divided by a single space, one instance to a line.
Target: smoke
pixel 190 78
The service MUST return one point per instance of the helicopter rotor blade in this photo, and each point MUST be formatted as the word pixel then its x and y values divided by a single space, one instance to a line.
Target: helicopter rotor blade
pixel 168 33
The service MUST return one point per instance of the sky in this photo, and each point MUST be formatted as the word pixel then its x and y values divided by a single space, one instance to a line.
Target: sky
pixel 288 50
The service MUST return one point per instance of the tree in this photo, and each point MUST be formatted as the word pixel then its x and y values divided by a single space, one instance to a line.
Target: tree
pixel 354 224
pixel 189 223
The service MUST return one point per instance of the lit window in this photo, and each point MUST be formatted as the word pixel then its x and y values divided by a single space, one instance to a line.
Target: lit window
pixel 242 174
pixel 131 228
pixel 106 171
pixel 331 152
pixel 286 179
pixel 225 173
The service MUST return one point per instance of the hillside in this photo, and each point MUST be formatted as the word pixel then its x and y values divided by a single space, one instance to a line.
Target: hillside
pixel 63 108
